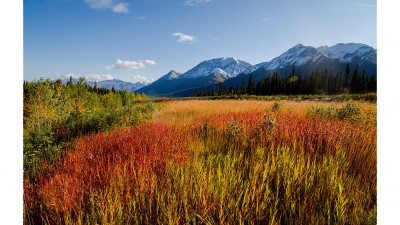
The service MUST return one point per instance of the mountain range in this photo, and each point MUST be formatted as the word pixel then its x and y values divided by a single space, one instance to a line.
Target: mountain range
pixel 109 84
pixel 231 71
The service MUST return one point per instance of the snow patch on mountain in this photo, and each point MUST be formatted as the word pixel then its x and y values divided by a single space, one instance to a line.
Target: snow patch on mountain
pixel 220 72
pixel 298 55
pixel 346 52
pixel 171 75
pixel 227 67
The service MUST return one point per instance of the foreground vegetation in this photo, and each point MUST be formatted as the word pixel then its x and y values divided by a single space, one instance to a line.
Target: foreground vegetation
pixel 54 114
pixel 209 162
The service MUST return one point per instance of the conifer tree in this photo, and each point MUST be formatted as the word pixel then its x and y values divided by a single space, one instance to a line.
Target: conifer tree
pixel 347 77
pixel 236 91
pixel 243 88
pixel 355 81
pixel 251 88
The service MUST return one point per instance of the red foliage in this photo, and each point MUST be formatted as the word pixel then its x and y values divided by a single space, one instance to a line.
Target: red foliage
pixel 313 135
pixel 96 159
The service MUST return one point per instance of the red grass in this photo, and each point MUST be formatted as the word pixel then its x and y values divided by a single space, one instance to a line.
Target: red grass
pixel 315 135
pixel 98 158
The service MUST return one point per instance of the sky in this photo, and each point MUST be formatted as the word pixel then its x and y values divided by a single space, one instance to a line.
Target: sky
pixel 142 40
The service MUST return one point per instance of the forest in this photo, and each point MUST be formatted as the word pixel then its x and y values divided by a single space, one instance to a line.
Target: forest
pixel 316 83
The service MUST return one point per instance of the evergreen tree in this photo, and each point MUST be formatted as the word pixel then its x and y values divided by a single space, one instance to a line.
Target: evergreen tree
pixel 258 88
pixel 347 77
pixel 251 89
pixel 355 81
pixel 363 83
pixel 237 90
pixel 243 88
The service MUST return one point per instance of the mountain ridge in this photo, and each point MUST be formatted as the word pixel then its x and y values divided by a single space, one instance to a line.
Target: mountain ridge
pixel 231 71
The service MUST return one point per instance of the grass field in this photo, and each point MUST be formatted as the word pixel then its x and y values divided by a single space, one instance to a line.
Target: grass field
pixel 218 162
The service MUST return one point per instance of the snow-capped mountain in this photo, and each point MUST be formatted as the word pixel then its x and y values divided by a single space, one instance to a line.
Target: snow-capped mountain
pixel 298 56
pixel 347 52
pixel 333 58
pixel 208 72
pixel 231 71
pixel 307 59
pixel 226 67
pixel 171 75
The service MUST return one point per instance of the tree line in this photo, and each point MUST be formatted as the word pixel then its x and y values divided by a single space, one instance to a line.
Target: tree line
pixel 319 82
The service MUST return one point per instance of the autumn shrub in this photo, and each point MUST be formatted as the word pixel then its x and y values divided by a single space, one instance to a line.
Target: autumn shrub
pixel 54 114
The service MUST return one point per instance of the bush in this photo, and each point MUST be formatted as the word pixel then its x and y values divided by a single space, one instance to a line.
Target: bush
pixel 39 147
pixel 350 111
pixel 277 106
pixel 54 114
pixel 322 111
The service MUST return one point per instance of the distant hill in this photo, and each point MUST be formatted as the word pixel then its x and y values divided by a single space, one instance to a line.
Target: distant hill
pixel 109 84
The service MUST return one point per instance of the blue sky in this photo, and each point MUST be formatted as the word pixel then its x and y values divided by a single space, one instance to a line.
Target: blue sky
pixel 137 40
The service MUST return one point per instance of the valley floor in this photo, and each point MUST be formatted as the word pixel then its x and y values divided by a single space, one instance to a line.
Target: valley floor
pixel 217 162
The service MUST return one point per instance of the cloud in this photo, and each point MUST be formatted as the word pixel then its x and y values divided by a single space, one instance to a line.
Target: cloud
pixel 115 5
pixel 143 79
pixel 121 8
pixel 264 19
pixel 184 37
pixel 196 2
pixel 130 65
pixel 88 77
pixel 150 62
pixel 141 18
pixel 99 4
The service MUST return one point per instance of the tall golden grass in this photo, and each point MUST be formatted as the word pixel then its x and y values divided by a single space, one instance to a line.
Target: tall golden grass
pixel 188 111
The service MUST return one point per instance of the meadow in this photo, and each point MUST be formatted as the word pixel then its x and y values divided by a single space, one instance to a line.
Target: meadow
pixel 211 162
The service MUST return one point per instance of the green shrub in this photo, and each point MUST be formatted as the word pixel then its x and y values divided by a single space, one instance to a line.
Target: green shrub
pixel 54 114
pixel 277 106
pixel 322 111
pixel 351 111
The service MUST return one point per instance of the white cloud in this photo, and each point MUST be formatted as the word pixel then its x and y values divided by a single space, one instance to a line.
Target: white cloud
pixel 88 77
pixel 130 65
pixel 143 79
pixel 264 18
pixel 114 5
pixel 196 2
pixel 184 37
pixel 121 8
pixel 150 62
pixel 141 18
pixel 99 4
